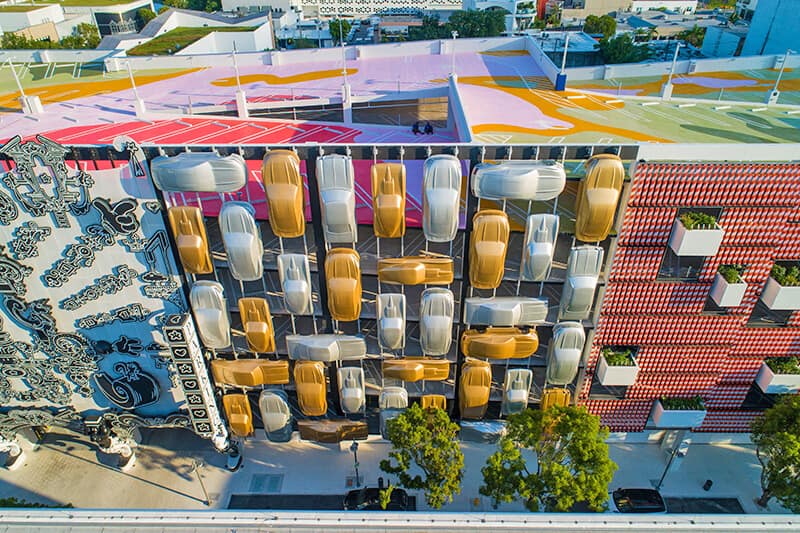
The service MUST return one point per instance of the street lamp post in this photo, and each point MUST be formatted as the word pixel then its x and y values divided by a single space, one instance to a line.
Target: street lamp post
pixel 772 97
pixel 453 65
pixel 195 466
pixel 666 90
pixel 354 449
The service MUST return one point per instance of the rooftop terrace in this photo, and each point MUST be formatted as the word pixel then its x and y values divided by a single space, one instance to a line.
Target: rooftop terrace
pixel 504 91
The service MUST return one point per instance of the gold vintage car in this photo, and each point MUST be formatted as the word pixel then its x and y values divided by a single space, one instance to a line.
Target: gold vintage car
pixel 416 369
pixel 250 372
pixel 389 199
pixel 238 413
pixel 416 270
pixel 555 398
pixel 283 185
pixel 473 393
pixel 343 274
pixel 499 343
pixel 487 248
pixel 433 401
pixel 309 380
pixel 598 195
pixel 189 231
pixel 257 323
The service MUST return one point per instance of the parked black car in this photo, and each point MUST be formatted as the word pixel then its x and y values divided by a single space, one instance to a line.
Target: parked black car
pixel 637 501
pixel 368 499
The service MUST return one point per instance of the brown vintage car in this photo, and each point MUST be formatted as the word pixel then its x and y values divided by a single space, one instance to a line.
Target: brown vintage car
pixel 189 231
pixel 389 199
pixel 309 380
pixel 283 185
pixel 416 369
pixel 499 343
pixel 433 401
pixel 238 413
pixel 598 196
pixel 332 431
pixel 343 273
pixel 257 323
pixel 488 245
pixel 250 372
pixel 416 270
pixel 473 393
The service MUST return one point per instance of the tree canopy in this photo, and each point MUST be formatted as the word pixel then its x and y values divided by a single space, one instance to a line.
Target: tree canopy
pixel 776 435
pixel 339 29
pixel 146 15
pixel 693 36
pixel 85 35
pixel 572 463
pixel 621 49
pixel 489 23
pixel 604 25
pixel 424 440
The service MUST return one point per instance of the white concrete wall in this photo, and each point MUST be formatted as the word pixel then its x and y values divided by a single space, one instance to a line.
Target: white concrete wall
pixel 285 5
pixel 720 43
pixel 118 8
pixel 456 113
pixel 13 21
pixel 188 20
pixel 545 63
pixel 54 56
pixel 67 26
pixel 243 41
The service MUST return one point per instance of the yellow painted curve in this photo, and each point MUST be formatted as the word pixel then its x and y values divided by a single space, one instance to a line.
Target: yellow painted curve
pixel 272 79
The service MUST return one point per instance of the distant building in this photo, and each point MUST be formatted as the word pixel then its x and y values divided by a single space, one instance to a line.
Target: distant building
pixel 676 6
pixel 746 8
pixel 721 41
pixel 112 18
pixel 774 28
pixel 347 8
pixel 583 50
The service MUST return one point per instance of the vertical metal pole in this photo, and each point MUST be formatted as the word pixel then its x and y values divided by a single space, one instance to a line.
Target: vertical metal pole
pixel 195 466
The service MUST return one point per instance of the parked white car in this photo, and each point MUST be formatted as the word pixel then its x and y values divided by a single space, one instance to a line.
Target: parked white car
pixel 518 180
pixel 564 353
pixel 393 398
pixel 211 314
pixel 337 198
pixel 325 347
pixel 583 269
pixel 436 321
pixel 241 237
pixel 276 415
pixel 541 233
pixel 516 390
pixel 351 389
pixel 295 278
pixel 505 311
pixel 441 197
pixel 199 172
pixel 391 310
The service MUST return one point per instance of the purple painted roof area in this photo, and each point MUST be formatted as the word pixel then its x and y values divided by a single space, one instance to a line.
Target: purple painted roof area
pixel 714 83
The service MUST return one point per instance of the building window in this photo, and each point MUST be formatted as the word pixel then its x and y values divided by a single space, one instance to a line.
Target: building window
pixel 763 316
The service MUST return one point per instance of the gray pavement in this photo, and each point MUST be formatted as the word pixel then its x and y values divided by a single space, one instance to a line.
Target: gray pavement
pixel 66 468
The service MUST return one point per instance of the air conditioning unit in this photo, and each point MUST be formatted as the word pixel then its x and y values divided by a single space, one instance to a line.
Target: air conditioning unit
pixel 692 66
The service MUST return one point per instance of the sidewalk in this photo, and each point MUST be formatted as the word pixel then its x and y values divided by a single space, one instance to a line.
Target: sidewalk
pixel 67 468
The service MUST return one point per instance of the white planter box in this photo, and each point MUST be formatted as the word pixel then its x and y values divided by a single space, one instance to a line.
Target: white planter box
pixel 616 376
pixel 696 242
pixel 663 418
pixel 727 294
pixel 772 383
pixel 780 298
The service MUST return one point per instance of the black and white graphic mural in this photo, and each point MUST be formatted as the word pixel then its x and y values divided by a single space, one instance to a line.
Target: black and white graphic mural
pixel 87 278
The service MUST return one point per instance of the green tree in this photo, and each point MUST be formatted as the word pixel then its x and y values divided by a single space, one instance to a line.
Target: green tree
pixel 488 23
pixel 554 16
pixel 163 9
pixel 425 440
pixel 339 29
pixel 693 36
pixel 146 15
pixel 431 29
pixel 621 49
pixel 605 25
pixel 20 42
pixel 776 435
pixel 572 463
pixel 86 35
pixel 180 4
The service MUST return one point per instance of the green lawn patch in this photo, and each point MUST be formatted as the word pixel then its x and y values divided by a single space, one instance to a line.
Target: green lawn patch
pixel 86 3
pixel 178 39
pixel 18 9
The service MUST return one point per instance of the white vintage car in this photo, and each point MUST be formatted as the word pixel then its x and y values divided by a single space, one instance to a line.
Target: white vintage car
pixel 518 180
pixel 241 237
pixel 351 389
pixel 295 280
pixel 199 172
pixel 393 398
pixel 391 309
pixel 583 269
pixel 276 415
pixel 505 311
pixel 564 353
pixel 441 197
pixel 211 314
pixel 436 321
pixel 337 198
pixel 516 390
pixel 325 347
pixel 541 233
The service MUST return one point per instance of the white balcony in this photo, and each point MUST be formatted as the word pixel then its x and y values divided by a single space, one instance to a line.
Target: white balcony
pixel 695 242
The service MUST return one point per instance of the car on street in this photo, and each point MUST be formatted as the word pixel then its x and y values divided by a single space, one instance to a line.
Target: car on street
pixel 636 501
pixel 368 499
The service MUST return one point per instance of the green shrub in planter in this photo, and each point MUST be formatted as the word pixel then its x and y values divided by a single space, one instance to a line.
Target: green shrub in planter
pixel 786 276
pixel 683 404
pixel 618 357
pixel 731 273
pixel 694 220
pixel 783 365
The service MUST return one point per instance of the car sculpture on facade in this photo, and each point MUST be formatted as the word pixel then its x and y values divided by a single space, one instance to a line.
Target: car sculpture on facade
pixel 487 248
pixel 518 180
pixel 295 278
pixel 283 186
pixel 211 314
pixel 441 197
pixel 389 199
pixel 564 353
pixel 541 234
pixel 309 380
pixel 199 172
pixel 598 196
pixel 337 197
pixel 436 321
pixel 189 232
pixel 343 274
pixel 583 270
pixel 241 238
pixel 257 323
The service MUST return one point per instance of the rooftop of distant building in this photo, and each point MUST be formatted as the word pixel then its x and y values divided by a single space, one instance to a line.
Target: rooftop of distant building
pixel 504 94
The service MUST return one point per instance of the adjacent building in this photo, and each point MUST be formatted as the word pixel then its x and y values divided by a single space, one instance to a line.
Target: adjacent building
pixel 773 28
